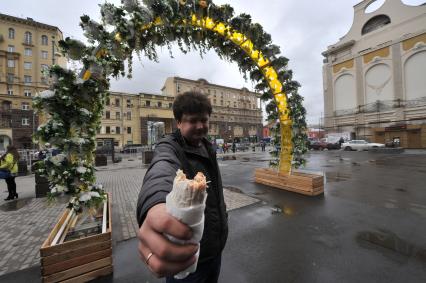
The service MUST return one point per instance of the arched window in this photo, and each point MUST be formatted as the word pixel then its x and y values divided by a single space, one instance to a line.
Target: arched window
pixel 375 23
pixel 414 69
pixel 345 93
pixel 379 84
pixel 28 37
pixel 11 33
pixel 44 40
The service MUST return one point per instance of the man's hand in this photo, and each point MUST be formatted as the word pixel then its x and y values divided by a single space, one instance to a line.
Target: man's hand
pixel 167 258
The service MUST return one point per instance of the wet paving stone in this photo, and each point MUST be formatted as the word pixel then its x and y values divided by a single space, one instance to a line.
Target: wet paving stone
pixel 390 241
pixel 14 205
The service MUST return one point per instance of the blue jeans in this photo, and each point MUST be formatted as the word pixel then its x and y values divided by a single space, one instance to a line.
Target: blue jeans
pixel 207 272
pixel 4 174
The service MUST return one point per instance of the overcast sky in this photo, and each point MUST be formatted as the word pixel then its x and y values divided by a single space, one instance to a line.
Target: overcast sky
pixel 302 28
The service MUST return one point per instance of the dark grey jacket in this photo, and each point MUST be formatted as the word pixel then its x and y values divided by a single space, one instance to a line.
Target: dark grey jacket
pixel 172 153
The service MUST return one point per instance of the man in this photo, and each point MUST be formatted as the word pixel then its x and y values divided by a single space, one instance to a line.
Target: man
pixel 189 150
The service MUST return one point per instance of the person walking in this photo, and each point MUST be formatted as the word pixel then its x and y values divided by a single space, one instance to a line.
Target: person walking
pixel 9 170
pixel 341 141
pixel 189 150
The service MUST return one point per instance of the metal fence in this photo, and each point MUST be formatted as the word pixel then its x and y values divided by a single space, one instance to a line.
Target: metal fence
pixel 382 106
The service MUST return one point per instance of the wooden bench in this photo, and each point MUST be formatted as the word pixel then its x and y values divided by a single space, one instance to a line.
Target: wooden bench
pixel 302 183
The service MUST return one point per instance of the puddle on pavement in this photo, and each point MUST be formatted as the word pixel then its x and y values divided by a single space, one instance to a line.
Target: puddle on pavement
pixel 14 205
pixel 331 177
pixel 388 240
pixel 286 210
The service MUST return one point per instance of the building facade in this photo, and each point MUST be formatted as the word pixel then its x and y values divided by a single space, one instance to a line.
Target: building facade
pixel 136 119
pixel 27 48
pixel 142 119
pixel 374 76
pixel 236 112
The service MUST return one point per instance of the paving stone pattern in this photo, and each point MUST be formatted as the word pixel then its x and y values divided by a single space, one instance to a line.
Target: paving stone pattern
pixel 25 224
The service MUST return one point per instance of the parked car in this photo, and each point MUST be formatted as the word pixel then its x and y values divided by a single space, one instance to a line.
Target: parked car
pixel 322 144
pixel 360 145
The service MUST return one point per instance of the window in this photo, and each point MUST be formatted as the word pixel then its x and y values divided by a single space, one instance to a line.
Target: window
pixel 178 88
pixel 170 105
pixel 44 40
pixel 375 23
pixel 148 103
pixel 129 103
pixel 107 102
pixel 117 102
pixel 107 115
pixel 28 65
pixel 117 116
pixel 10 78
pixel 98 131
pixel 27 93
pixel 117 130
pixel 9 90
pixel 107 129
pixel 25 122
pixel 44 54
pixel 116 143
pixel 28 52
pixel 129 130
pixel 129 115
pixel 11 33
pixel 10 48
pixel 44 73
pixel 10 63
pixel 25 106
pixel 159 104
pixel 27 79
pixel 28 37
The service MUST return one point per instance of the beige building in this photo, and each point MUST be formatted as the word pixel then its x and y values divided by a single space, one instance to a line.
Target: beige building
pixel 236 112
pixel 374 76
pixel 136 119
pixel 141 119
pixel 26 48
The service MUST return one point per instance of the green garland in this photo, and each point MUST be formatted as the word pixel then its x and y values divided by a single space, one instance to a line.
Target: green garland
pixel 75 102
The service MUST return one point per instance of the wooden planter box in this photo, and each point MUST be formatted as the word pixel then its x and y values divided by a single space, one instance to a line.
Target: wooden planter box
pixel 78 260
pixel 302 183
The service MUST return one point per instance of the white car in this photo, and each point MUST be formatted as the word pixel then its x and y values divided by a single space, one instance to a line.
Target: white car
pixel 360 145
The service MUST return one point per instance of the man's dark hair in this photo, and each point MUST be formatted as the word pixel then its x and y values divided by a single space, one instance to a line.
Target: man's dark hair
pixel 191 102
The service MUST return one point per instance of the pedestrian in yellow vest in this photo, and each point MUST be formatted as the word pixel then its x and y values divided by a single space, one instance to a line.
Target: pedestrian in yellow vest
pixel 9 170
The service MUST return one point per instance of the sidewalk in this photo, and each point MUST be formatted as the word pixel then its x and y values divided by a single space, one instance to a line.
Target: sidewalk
pixel 26 222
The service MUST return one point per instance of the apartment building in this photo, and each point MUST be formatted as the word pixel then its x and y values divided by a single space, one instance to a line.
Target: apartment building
pixel 236 112
pixel 27 47
pixel 136 119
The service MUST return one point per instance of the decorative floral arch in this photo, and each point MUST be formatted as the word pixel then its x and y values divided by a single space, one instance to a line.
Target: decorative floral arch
pixel 75 102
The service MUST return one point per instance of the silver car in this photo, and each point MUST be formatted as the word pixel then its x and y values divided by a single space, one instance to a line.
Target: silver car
pixel 360 145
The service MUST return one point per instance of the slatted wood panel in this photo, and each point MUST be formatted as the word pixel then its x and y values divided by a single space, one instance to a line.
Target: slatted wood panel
pixel 78 260
pixel 302 183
